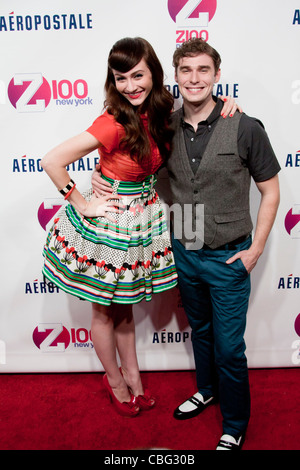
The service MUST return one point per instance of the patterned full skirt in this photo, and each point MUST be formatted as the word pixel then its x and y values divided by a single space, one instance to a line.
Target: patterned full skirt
pixel 103 262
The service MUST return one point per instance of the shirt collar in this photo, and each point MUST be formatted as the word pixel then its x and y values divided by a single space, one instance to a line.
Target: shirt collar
pixel 214 115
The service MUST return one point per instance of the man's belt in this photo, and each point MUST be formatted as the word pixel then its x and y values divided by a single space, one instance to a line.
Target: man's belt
pixel 231 245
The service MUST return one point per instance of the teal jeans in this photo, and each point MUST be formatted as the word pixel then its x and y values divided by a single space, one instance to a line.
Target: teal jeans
pixel 215 298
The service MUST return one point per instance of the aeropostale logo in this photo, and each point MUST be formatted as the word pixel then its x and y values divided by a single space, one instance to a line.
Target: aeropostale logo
pixel 48 22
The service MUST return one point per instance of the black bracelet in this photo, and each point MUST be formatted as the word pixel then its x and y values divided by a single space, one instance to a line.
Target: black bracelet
pixel 67 188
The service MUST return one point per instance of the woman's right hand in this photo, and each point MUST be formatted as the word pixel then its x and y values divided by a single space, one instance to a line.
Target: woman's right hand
pixel 102 206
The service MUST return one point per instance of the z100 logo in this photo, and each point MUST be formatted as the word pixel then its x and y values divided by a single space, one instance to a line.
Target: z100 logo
pixel 31 92
pixel 192 13
pixel 54 337
pixel 47 211
pixel 292 221
pixel 296 343
pixel 2 353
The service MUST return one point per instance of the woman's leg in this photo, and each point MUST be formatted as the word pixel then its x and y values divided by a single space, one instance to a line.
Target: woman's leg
pixel 126 345
pixel 104 341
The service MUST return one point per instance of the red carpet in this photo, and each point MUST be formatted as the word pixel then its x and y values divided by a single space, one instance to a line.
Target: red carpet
pixel 72 412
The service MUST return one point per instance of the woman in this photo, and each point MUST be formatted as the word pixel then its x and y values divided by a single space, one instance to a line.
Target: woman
pixel 115 251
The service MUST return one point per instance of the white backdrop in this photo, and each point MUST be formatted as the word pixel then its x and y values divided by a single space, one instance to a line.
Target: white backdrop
pixel 53 63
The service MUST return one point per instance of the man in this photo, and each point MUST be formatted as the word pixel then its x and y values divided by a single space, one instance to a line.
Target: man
pixel 212 162
pixel 211 165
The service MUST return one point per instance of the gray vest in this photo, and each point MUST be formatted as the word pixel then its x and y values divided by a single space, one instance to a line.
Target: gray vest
pixel 220 186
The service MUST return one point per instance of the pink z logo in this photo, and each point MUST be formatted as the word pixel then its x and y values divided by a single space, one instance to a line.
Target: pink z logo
pixel 192 12
pixel 51 337
pixel 292 221
pixel 29 92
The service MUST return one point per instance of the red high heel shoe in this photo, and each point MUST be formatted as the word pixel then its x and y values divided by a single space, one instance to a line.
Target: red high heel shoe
pixel 129 409
pixel 144 402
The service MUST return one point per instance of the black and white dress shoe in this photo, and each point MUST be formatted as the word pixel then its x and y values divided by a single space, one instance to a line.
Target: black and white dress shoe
pixel 228 442
pixel 192 407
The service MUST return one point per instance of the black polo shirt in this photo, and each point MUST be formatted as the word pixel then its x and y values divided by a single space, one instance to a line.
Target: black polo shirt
pixel 253 143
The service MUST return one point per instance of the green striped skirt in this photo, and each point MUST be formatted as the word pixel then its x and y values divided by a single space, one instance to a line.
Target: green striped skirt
pixel 103 262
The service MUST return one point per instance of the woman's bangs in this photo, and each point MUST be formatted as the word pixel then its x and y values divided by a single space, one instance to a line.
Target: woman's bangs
pixel 122 62
pixel 126 54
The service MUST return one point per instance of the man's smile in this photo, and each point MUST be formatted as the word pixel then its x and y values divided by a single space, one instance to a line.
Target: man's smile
pixel 194 89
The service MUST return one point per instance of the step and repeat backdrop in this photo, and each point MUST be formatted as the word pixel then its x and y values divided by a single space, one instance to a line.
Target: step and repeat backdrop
pixel 53 57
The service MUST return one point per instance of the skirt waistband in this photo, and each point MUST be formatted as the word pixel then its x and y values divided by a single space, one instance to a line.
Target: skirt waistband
pixel 137 189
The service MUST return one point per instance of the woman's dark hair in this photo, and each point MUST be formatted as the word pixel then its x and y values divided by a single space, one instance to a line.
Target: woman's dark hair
pixel 125 55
